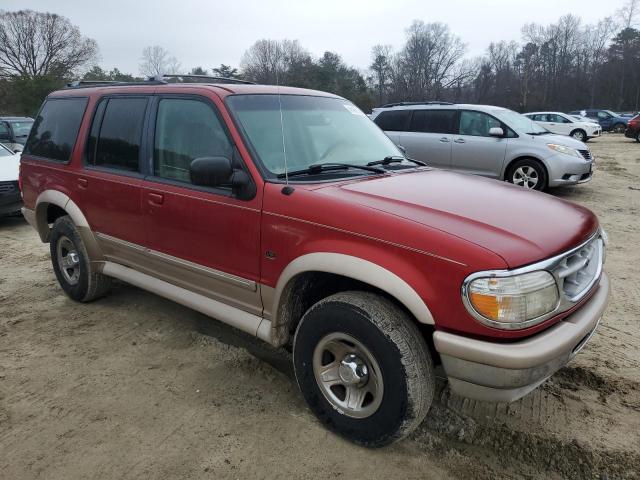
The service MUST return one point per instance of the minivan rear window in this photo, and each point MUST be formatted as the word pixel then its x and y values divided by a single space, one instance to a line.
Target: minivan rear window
pixel 433 121
pixel 393 120
pixel 55 129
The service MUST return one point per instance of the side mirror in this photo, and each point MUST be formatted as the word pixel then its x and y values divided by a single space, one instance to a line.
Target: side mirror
pixel 496 132
pixel 219 172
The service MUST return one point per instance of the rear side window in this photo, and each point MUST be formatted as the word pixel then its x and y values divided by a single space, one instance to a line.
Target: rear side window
pixel 433 121
pixel 115 136
pixel 185 130
pixel 394 120
pixel 55 129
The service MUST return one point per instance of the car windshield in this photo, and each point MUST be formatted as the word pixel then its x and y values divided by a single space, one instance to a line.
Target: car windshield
pixel 21 129
pixel 519 123
pixel 310 130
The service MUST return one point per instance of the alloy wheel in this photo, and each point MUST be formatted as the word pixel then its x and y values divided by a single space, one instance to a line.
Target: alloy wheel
pixel 526 177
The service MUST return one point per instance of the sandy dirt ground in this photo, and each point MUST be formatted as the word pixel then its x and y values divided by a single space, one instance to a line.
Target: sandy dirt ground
pixel 134 386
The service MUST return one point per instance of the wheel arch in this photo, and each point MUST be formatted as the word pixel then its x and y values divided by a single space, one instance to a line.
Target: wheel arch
pixel 525 157
pixel 50 205
pixel 287 301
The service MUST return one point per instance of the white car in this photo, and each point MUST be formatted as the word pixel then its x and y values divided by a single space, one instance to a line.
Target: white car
pixel 10 199
pixel 563 124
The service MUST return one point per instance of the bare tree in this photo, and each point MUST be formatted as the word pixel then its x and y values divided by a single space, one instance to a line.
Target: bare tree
pixel 381 68
pixel 271 61
pixel 629 13
pixel 157 61
pixel 35 44
pixel 426 65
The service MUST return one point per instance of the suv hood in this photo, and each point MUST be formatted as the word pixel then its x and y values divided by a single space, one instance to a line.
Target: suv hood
pixel 521 226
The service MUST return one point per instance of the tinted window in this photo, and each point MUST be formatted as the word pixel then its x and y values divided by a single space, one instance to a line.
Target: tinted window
pixel 433 121
pixel 186 130
pixel 393 120
pixel 4 131
pixel 116 136
pixel 55 129
pixel 477 124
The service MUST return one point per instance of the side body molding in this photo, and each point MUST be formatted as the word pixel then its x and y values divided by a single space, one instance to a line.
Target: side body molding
pixel 351 267
pixel 54 197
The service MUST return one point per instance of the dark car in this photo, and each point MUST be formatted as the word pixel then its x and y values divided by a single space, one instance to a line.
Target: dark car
pixel 608 120
pixel 14 131
pixel 633 128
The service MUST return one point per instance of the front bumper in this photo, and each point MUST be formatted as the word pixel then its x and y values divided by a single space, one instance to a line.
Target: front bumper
pixel 566 170
pixel 504 372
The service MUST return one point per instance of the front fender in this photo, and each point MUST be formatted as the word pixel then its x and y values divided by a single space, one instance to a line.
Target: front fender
pixel 357 269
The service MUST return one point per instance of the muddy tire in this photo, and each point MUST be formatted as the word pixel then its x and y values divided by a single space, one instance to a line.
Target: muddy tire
pixel 75 273
pixel 363 368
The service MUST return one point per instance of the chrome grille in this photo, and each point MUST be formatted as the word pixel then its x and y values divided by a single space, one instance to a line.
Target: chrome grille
pixel 578 271
pixel 586 154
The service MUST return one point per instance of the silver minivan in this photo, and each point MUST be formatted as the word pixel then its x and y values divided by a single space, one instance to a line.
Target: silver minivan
pixel 484 140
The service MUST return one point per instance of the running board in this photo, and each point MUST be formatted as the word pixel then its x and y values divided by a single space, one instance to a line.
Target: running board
pixel 235 317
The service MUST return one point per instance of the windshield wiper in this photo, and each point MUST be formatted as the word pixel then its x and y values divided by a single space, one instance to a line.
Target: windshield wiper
pixel 538 133
pixel 319 168
pixel 393 159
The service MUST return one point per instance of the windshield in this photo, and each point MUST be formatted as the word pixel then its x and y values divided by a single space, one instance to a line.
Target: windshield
pixel 611 113
pixel 316 130
pixel 21 130
pixel 519 123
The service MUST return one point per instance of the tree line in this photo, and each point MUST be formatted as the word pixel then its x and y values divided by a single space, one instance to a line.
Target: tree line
pixel 561 66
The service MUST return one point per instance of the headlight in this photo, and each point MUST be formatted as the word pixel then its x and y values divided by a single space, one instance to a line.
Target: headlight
pixel 566 150
pixel 511 302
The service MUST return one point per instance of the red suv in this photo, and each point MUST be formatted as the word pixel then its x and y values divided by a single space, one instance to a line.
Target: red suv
pixel 290 215
pixel 633 128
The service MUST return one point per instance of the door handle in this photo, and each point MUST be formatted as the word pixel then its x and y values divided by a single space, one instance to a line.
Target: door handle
pixel 444 140
pixel 83 183
pixel 156 199
pixel 460 140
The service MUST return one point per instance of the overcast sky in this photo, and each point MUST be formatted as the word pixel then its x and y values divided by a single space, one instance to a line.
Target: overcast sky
pixel 208 33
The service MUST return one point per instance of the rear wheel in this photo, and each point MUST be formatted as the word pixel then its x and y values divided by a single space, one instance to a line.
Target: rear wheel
pixel 77 276
pixel 638 136
pixel 618 128
pixel 528 173
pixel 363 368
pixel 580 135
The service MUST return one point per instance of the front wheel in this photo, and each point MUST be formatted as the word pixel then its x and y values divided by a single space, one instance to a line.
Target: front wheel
pixel 363 368
pixel 528 173
pixel 580 135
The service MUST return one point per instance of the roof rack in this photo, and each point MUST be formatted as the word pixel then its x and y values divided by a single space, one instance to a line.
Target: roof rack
pixel 156 80
pixel 106 83
pixel 197 78
pixel 402 104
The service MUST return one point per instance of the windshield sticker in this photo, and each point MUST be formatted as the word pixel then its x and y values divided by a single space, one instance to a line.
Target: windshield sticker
pixel 353 110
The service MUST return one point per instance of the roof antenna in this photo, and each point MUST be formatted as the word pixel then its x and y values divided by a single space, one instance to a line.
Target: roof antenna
pixel 287 190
